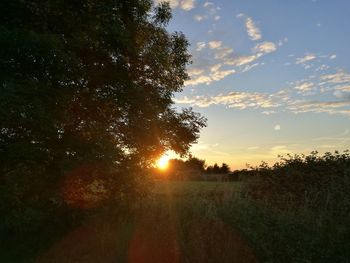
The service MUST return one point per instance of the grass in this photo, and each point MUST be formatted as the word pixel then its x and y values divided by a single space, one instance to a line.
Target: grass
pixel 273 234
pixel 202 222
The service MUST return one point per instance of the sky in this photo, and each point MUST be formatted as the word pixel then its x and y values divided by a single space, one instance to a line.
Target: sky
pixel 272 77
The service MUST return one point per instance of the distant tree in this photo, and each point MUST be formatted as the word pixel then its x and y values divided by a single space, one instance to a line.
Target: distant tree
pixel 195 164
pixel 224 169
pixel 87 84
pixel 216 169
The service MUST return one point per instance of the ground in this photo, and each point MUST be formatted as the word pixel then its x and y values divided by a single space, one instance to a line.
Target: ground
pixel 179 223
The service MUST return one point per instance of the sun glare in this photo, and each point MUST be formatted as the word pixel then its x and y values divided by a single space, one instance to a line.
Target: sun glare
pixel 163 162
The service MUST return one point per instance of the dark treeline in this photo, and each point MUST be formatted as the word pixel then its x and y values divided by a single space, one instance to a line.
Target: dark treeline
pixel 302 169
pixel 193 169
pixel 316 181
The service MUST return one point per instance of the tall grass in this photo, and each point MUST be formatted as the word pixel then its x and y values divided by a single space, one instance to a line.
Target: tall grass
pixel 297 210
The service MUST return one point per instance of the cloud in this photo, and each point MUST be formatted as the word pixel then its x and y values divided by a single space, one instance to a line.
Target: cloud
pixel 268 112
pixel 202 79
pixel 345 88
pixel 251 66
pixel 200 46
pixel 306 58
pixel 277 127
pixel 305 87
pixel 331 107
pixel 195 71
pixel 270 103
pixel 252 30
pixel 199 17
pixel 239 100
pixel 218 75
pixel 334 56
pixel 337 78
pixel 258 51
pixel 223 52
pixel 215 44
pixel 242 60
pixel 187 4
pixel 199 77
pixel 183 4
pixel 207 4
pixel 265 47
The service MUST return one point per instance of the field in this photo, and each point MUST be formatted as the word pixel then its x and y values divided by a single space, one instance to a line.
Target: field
pixel 199 222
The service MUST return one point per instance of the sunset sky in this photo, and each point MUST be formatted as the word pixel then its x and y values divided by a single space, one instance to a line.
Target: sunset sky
pixel 271 76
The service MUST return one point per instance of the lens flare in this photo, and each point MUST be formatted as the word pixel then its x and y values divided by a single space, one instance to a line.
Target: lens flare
pixel 163 162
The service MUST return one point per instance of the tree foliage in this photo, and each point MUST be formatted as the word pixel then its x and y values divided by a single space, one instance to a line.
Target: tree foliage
pixel 86 100
pixel 85 81
pixel 316 182
pixel 216 169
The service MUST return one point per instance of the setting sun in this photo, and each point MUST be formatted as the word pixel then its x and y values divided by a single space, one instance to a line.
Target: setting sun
pixel 163 162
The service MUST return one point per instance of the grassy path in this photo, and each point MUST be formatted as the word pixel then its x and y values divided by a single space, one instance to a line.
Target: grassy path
pixel 175 226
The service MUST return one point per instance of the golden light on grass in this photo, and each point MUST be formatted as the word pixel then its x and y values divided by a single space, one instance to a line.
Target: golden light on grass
pixel 163 162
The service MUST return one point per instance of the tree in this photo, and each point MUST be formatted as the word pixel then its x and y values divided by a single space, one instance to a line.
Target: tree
pixel 89 84
pixel 195 163
pixel 216 169
pixel 224 169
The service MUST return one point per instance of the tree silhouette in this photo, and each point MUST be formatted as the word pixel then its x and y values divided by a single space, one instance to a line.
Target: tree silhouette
pixel 87 84
pixel 224 169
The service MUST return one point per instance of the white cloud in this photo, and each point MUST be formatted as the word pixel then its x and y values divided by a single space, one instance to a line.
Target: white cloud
pixel 322 67
pixel 268 112
pixel 215 67
pixel 334 56
pixel 239 100
pixel 265 47
pixel 277 127
pixel 187 4
pixel 305 87
pixel 251 66
pixel 208 75
pixel 202 79
pixel 270 103
pixel 199 17
pixel 345 88
pixel 337 78
pixel 331 107
pixel 223 53
pixel 195 71
pixel 207 4
pixel 200 46
pixel 306 58
pixel 183 4
pixel 252 30
pixel 218 75
pixel 215 44
pixel 242 60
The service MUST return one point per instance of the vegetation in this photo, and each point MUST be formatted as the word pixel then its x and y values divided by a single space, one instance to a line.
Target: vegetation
pixel 86 105
pixel 298 209
pixel 192 169
pixel 302 208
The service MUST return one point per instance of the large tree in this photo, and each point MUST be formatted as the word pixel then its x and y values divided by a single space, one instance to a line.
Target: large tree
pixel 89 84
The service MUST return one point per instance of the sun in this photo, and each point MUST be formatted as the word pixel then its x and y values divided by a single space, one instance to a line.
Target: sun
pixel 163 162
